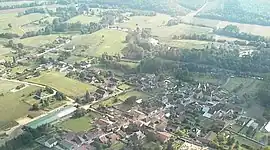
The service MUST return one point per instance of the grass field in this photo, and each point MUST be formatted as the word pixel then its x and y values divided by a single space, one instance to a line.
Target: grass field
pixel 13 105
pixel 66 85
pixel 188 44
pixel 205 78
pixel 6 86
pixel 78 124
pixel 117 146
pixel 84 19
pixel 245 141
pixel 38 41
pixel 133 93
pixel 236 81
pixel 15 3
pixel 16 22
pixel 112 42
pixel 124 87
pixel 130 64
pixel 4 50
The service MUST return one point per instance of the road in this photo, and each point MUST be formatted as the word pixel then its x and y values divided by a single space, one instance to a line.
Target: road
pixel 189 17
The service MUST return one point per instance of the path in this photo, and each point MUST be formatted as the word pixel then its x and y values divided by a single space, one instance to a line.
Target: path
pixel 189 17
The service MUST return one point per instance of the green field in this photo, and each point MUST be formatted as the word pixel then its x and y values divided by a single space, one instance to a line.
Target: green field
pixel 124 87
pixel 188 44
pixel 4 50
pixel 13 105
pixel 15 3
pixel 133 93
pixel 205 78
pixel 236 81
pixel 16 22
pixel 130 64
pixel 38 41
pixel 112 42
pixel 6 86
pixel 84 19
pixel 78 124
pixel 66 85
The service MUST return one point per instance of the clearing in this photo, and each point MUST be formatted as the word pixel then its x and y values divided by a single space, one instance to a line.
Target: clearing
pixel 13 105
pixel 63 84
pixel 112 42
pixel 84 19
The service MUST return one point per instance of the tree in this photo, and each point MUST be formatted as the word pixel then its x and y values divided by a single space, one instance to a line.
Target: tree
pixel 35 107
pixel 9 25
pixel 80 112
pixel 20 45
pixel 87 96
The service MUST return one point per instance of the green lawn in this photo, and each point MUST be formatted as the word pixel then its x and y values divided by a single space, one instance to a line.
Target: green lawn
pixel 12 106
pixel 7 86
pixel 130 64
pixel 84 19
pixel 124 87
pixel 133 93
pixel 66 85
pixel 112 43
pixel 78 124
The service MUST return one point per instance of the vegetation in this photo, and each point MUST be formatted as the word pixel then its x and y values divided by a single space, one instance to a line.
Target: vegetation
pixel 77 124
pixel 63 84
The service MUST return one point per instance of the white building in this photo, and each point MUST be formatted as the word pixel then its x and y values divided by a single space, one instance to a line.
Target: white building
pixel 267 127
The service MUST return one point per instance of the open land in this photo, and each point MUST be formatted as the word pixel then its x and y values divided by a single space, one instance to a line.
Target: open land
pixel 112 42
pixel 77 124
pixel 66 85
pixel 13 105
pixel 84 19
pixel 38 41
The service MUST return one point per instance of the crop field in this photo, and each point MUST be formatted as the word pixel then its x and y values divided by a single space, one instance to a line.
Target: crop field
pixel 13 105
pixel 16 22
pixel 112 42
pixel 38 41
pixel 84 19
pixel 65 85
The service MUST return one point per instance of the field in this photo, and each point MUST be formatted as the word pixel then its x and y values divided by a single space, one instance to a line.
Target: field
pixel 206 78
pixel 15 3
pixel 112 42
pixel 77 124
pixel 13 105
pixel 38 41
pixel 133 93
pixel 84 19
pixel 245 141
pixel 16 22
pixel 65 85
pixel 4 50
pixel 124 87
pixel 236 82
pixel 130 64
pixel 80 124
pixel 187 44
pixel 6 86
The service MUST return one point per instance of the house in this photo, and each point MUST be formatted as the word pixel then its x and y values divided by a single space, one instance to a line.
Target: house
pixel 66 145
pixel 113 137
pixel 101 93
pixel 48 142
pixel 267 127
pixel 103 139
pixel 163 136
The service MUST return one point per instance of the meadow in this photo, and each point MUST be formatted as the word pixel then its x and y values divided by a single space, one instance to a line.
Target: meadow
pixel 63 84
pixel 77 124
pixel 38 41
pixel 6 86
pixel 13 105
pixel 17 22
pixel 84 19
pixel 112 42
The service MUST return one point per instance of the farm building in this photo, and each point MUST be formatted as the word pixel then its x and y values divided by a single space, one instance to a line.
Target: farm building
pixel 52 117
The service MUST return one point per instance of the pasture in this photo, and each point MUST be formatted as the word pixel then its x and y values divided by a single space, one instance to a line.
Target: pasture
pixel 84 19
pixel 112 42
pixel 68 86
pixel 13 105
pixel 130 64
pixel 38 41
pixel 16 22
pixel 236 82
